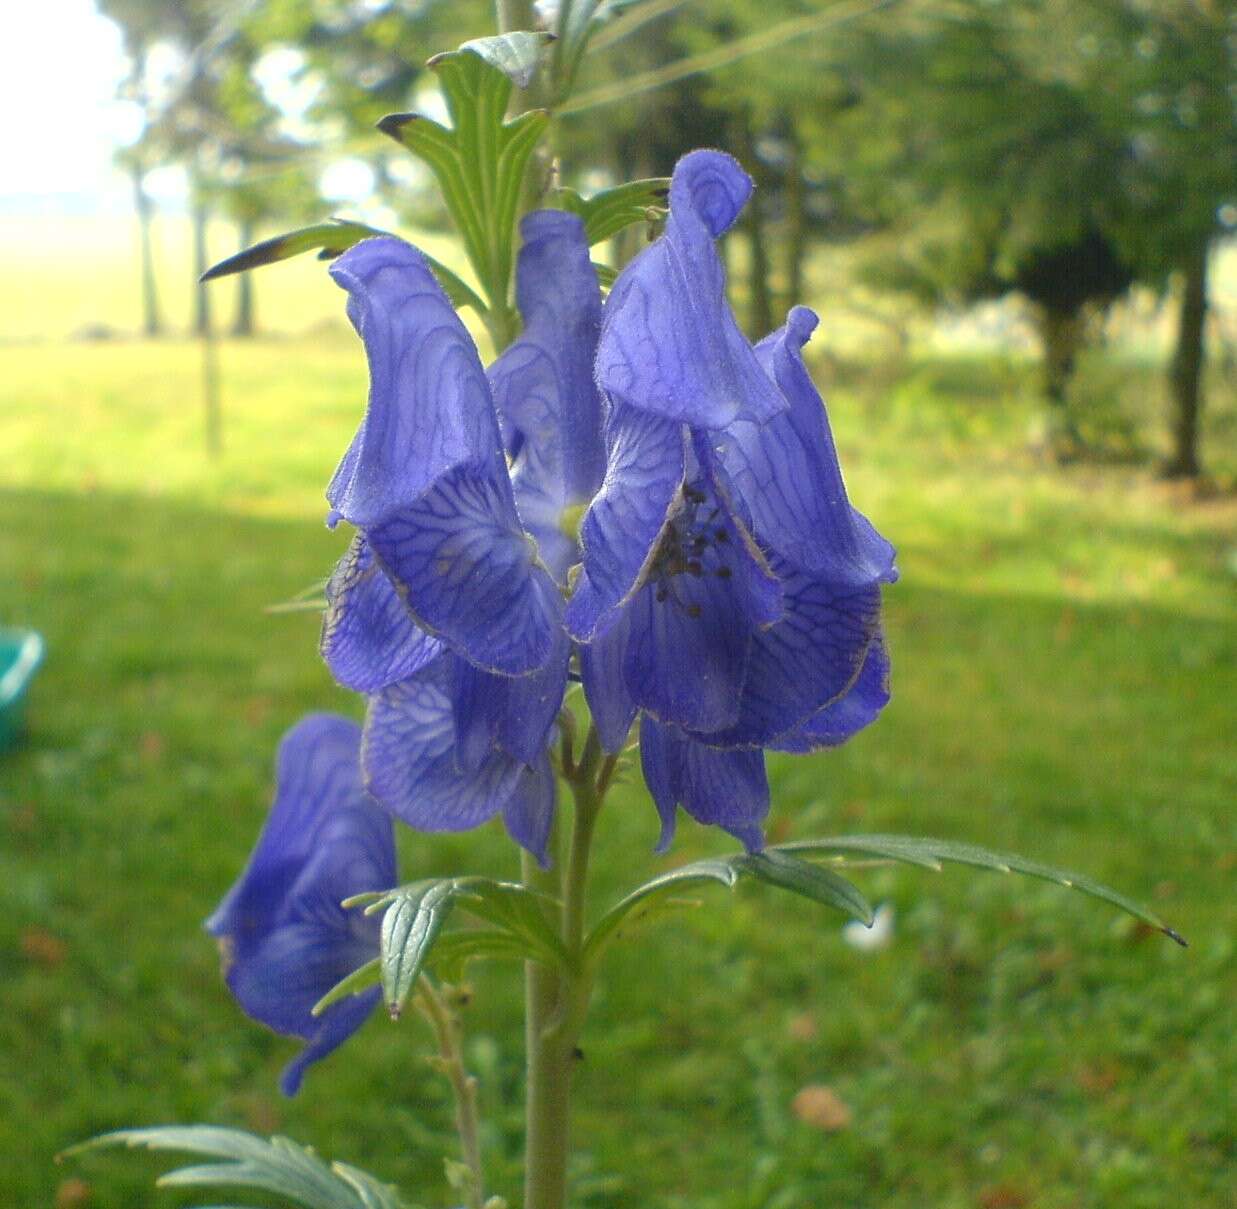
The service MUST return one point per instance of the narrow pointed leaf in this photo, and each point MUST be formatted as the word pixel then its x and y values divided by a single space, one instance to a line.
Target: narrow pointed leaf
pixel 361 979
pixel 819 884
pixel 333 238
pixel 608 212
pixel 455 950
pixel 277 1166
pixel 519 911
pixel 608 926
pixel 931 853
pixel 516 54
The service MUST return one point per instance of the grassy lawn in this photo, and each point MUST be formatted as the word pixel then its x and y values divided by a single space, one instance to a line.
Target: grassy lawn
pixel 1065 663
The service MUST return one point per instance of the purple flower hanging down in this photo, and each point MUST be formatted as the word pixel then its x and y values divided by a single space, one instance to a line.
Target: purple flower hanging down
pixel 284 937
pixel 459 719
pixel 729 591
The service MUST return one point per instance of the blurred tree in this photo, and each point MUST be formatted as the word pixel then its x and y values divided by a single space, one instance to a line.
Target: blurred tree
pixel 1159 75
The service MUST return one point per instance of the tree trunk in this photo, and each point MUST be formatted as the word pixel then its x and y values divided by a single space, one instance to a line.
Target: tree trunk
pixel 760 299
pixel 1186 370
pixel 796 218
pixel 1061 337
pixel 152 325
pixel 201 262
pixel 244 324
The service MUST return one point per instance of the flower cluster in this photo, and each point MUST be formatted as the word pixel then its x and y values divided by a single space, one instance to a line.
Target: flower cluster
pixel 634 496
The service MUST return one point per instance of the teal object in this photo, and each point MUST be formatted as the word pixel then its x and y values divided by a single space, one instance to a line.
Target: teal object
pixel 21 652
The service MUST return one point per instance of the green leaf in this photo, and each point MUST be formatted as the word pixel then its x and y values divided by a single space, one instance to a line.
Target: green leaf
pixel 608 212
pixel 930 853
pixel 361 979
pixel 415 915
pixel 810 881
pixel 409 928
pixel 516 54
pixel 607 928
pixel 479 162
pixel 332 238
pixel 455 950
pixel 276 1165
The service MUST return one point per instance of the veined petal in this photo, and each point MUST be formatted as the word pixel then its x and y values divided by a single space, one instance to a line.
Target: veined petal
pixel 620 532
pixel 669 341
pixel 785 469
pixel 543 384
pixel 369 639
pixel 806 661
pixel 727 789
pixel 858 707
pixel 468 572
pixel 429 402
pixel 529 813
pixel 409 760
pixel 601 669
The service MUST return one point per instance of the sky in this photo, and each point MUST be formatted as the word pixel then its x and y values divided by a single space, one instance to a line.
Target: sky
pixel 60 63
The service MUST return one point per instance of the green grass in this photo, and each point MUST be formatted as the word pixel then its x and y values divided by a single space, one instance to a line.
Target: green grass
pixel 1065 667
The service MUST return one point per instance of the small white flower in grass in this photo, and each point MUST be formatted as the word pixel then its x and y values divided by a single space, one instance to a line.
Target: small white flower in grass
pixel 878 936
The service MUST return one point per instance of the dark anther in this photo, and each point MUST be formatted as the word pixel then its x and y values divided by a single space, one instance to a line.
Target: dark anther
pixel 693 567
pixel 693 610
pixel 722 535
pixel 662 593
pixel 723 572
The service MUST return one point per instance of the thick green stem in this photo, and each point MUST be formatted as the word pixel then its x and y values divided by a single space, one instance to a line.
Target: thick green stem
pixel 557 1000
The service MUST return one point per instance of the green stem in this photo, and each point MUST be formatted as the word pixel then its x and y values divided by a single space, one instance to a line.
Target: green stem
pixel 445 1021
pixel 557 1000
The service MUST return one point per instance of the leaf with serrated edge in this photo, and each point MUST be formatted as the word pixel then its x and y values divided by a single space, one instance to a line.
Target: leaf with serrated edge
pixel 515 54
pixel 277 1165
pixel 930 853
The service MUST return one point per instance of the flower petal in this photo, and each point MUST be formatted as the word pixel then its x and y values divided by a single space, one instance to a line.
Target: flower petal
pixel 858 707
pixel 727 789
pixel 317 773
pixel 601 669
pixel 429 403
pixel 529 813
pixel 409 759
pixel 807 660
pixel 469 573
pixel 620 532
pixel 669 341
pixel 785 470
pixel 369 639
pixel 543 384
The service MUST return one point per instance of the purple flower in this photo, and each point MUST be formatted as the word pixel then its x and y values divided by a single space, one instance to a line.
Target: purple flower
pixel 284 937
pixel 729 590
pixel 450 617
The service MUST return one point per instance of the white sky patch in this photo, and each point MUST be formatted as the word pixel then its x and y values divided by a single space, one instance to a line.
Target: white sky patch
pixel 60 63
pixel 347 180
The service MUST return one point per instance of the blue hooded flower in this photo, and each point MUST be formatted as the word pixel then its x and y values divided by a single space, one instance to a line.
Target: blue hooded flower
pixel 453 739
pixel 425 479
pixel 284 937
pixel 729 590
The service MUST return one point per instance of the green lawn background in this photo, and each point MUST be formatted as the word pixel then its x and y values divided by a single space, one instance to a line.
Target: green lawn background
pixel 1064 646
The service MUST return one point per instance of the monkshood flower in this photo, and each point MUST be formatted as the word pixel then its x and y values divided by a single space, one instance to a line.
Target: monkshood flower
pixel 729 591
pixel 285 939
pixel 446 609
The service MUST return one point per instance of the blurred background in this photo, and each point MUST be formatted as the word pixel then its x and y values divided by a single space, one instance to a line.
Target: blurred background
pixel 1016 219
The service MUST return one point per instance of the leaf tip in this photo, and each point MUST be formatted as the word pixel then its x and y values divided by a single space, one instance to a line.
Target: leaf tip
pixel 394 1010
pixel 393 123
pixel 1174 935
